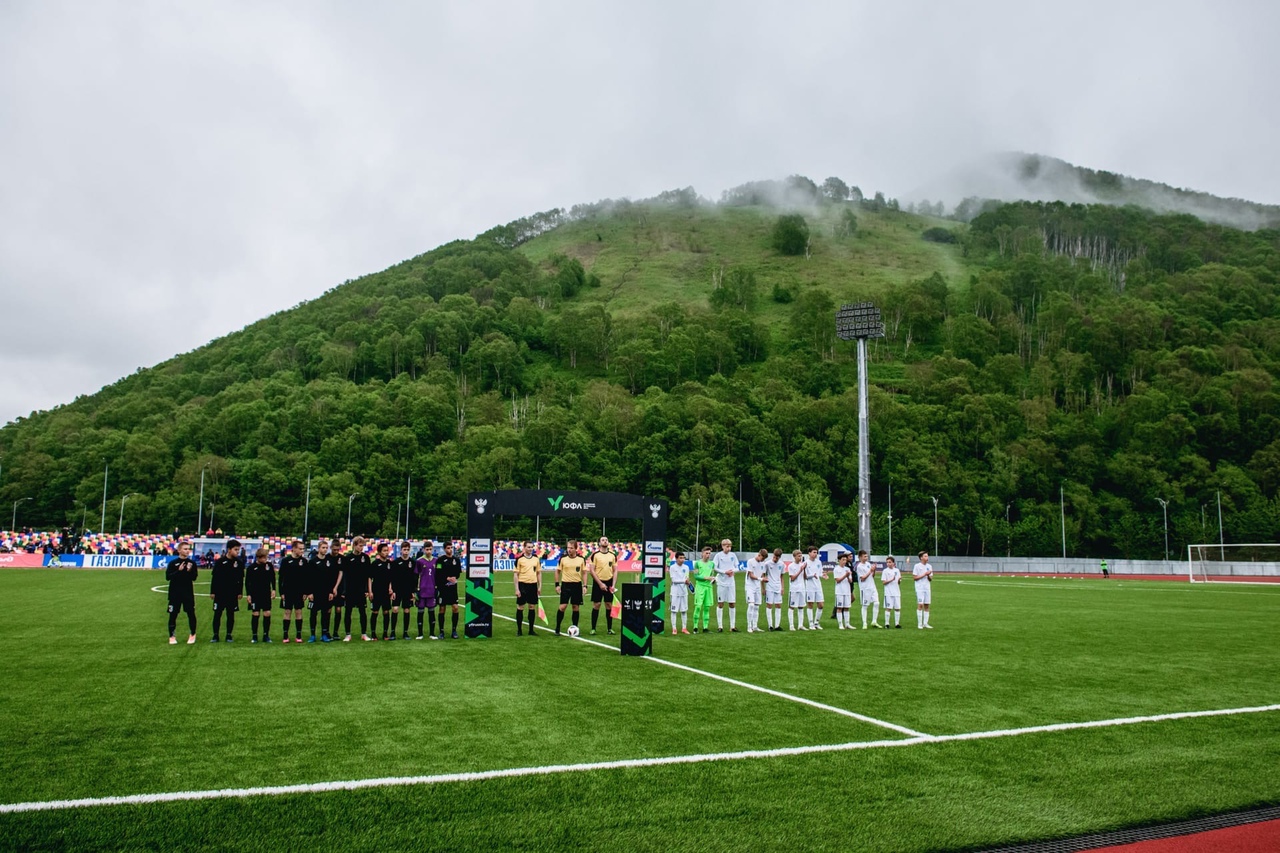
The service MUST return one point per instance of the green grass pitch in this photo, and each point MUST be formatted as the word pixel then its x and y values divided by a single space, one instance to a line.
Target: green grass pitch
pixel 95 703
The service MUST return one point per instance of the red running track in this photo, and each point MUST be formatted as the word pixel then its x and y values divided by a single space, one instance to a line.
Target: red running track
pixel 1263 837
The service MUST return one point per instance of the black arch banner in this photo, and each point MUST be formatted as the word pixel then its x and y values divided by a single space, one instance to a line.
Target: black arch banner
pixel 483 507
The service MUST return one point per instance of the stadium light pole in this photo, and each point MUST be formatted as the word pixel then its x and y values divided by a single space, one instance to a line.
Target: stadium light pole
pixel 13 522
pixel 408 489
pixel 697 530
pixel 1062 510
pixel 858 322
pixel 200 512
pixel 1008 530
pixel 890 551
pixel 398 505
pixel 349 500
pixel 739 513
pixel 306 508
pixel 120 521
pixel 106 469
pixel 1164 507
pixel 1222 542
pixel 935 525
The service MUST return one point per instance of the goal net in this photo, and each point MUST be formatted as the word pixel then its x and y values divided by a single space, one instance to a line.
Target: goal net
pixel 1213 562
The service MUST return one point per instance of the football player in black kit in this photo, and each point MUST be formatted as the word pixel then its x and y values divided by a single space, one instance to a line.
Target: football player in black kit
pixel 293 589
pixel 181 574
pixel 226 587
pixel 323 580
pixel 380 585
pixel 356 590
pixel 260 587
pixel 448 570
pixel 404 579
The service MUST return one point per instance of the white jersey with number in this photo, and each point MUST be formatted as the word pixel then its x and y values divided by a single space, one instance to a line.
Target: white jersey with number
pixel 723 564
pixel 921 573
pixel 843 577
pixel 679 573
pixel 813 579
pixel 773 570
pixel 892 591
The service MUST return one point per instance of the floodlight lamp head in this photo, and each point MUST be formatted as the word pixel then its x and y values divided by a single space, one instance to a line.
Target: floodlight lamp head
pixel 859 320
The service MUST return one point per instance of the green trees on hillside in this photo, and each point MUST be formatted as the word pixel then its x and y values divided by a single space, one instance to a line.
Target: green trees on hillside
pixel 790 234
pixel 1059 365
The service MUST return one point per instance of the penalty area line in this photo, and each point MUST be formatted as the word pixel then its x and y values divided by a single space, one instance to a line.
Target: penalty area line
pixel 884 724
pixel 621 764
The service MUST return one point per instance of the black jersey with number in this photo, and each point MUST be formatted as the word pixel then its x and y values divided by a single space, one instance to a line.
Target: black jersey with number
pixel 181 574
pixel 447 569
pixel 293 577
pixel 259 580
pixel 404 576
pixel 355 577
pixel 380 579
pixel 323 576
pixel 226 579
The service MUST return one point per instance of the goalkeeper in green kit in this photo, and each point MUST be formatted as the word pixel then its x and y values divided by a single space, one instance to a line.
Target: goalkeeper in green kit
pixel 704 589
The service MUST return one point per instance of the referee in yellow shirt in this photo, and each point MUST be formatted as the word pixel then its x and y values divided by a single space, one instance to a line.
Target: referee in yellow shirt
pixel 602 566
pixel 569 582
pixel 528 584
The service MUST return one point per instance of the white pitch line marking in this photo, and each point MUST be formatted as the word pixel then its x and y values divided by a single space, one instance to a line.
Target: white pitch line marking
pixel 775 693
pixel 622 764
pixel 1125 586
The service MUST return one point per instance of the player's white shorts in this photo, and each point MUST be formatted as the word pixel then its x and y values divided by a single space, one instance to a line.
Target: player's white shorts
pixel 813 590
pixel 922 593
pixel 892 601
pixel 726 593
pixel 679 598
pixel 773 596
pixel 869 596
pixel 842 600
pixel 753 592
pixel 798 597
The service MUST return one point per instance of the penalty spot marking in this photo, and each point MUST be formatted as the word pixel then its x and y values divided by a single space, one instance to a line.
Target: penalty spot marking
pixel 765 690
pixel 623 764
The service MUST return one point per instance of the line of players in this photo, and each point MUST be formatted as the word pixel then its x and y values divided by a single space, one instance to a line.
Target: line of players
pixel 711 582
pixel 329 584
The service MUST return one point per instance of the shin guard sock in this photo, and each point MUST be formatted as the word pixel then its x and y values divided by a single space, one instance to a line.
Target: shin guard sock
pixel 559 620
pixel 254 620
pixel 532 613
pixel 173 622
pixel 455 621
pixel 576 613
pixel 595 617
pixel 519 622
pixel 266 627
pixel 231 622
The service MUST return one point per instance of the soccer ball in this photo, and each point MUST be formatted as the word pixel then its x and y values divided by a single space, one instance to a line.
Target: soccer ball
pixel 573 630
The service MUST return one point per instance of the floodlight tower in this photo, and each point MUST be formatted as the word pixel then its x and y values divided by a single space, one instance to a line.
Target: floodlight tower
pixel 858 322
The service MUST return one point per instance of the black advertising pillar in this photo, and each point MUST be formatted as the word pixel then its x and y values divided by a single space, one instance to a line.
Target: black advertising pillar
pixel 654 530
pixel 637 602
pixel 479 611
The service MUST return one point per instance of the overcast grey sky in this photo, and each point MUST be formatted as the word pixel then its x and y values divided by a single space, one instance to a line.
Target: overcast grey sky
pixel 172 171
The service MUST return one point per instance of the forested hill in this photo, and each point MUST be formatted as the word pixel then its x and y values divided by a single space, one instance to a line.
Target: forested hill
pixel 1013 177
pixel 678 347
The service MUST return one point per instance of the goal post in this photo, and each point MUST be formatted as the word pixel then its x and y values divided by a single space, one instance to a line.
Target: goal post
pixel 1216 562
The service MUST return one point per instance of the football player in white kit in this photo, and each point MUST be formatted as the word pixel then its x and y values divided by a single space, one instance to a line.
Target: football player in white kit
pixel 867 591
pixel 843 576
pixel 892 591
pixel 814 573
pixel 678 572
pixel 798 597
pixel 923 573
pixel 755 574
pixel 726 565
pixel 773 571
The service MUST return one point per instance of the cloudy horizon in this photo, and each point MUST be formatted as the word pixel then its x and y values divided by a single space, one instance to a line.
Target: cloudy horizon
pixel 172 173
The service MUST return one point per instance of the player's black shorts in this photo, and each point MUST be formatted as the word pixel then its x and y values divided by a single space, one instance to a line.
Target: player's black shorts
pixel 291 602
pixel 571 592
pixel 527 593
pixel 260 602
pixel 232 604
pixel 404 598
pixel 599 593
pixel 448 595
pixel 186 602
pixel 336 601
pixel 381 601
